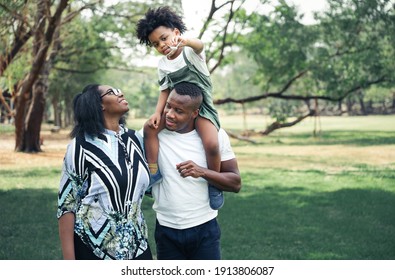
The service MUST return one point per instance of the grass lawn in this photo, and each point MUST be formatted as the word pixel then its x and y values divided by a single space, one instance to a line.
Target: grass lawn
pixel 330 197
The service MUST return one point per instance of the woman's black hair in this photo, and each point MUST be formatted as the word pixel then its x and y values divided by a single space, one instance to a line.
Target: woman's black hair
pixel 88 113
pixel 162 16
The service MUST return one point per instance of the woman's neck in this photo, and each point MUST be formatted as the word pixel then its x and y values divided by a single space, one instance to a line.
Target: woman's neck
pixel 112 125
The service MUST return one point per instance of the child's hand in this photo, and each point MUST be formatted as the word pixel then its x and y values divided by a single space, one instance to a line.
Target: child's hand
pixel 154 120
pixel 194 43
pixel 179 41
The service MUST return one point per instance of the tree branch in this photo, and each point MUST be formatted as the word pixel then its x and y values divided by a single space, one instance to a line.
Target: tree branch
pixel 41 54
pixel 19 42
pixel 70 16
pixel 225 34
pixel 266 95
pixel 90 71
pixel 277 125
pixel 280 94
pixel 239 137
pixel 5 104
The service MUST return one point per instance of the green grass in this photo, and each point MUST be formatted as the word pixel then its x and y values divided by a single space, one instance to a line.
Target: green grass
pixel 295 203
pixel 282 214
pixel 28 213
pixel 336 137
pixel 6 128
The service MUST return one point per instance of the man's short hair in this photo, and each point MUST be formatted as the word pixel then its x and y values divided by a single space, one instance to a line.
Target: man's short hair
pixel 192 90
pixel 185 88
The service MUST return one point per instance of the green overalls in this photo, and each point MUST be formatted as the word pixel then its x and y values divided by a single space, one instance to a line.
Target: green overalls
pixel 190 74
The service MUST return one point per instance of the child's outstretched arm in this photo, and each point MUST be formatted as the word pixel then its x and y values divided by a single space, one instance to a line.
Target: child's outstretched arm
pixel 154 120
pixel 194 43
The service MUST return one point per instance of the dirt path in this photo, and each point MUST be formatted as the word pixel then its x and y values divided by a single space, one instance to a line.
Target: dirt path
pixel 324 157
pixel 54 147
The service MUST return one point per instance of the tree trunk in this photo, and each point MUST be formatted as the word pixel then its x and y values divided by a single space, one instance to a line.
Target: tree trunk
pixel 361 103
pixel 37 107
pixel 340 107
pixel 34 119
pixel 349 104
pixel 30 107
pixel 369 107
pixel 68 113
pixel 384 107
pixel 57 112
pixel 317 120
pixel 21 105
pixel 27 139
pixel 55 100
pixel 244 119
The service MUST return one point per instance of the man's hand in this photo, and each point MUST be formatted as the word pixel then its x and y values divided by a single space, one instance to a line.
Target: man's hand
pixel 189 168
pixel 228 179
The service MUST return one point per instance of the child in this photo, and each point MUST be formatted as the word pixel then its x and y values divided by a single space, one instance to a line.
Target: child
pixel 183 61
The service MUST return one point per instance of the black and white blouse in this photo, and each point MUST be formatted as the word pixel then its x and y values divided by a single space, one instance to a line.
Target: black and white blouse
pixel 103 183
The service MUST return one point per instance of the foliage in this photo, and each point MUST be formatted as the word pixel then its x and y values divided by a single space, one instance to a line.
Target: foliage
pixel 9 26
pixel 349 49
pixel 140 89
pixel 78 62
pixel 357 43
pixel 104 54
pixel 235 80
pixel 275 45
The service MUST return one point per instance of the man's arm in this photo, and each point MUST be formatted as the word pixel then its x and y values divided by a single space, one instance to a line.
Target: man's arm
pixel 228 179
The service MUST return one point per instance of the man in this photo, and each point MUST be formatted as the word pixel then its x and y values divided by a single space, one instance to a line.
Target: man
pixel 186 226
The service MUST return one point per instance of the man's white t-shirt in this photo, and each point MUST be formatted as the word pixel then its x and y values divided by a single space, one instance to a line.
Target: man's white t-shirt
pixel 182 203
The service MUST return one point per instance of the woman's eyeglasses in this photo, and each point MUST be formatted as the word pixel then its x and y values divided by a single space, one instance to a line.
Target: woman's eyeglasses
pixel 112 91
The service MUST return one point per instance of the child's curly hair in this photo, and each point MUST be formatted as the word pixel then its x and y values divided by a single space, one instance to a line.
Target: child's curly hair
pixel 162 16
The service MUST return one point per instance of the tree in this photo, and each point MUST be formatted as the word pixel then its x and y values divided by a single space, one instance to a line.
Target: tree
pixel 46 29
pixel 30 100
pixel 15 31
pixel 348 50
pixel 222 32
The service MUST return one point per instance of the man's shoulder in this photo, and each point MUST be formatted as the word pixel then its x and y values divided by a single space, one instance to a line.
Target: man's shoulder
pixel 170 133
pixel 222 134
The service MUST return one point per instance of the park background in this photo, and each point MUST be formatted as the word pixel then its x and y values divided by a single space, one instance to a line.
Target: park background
pixel 310 108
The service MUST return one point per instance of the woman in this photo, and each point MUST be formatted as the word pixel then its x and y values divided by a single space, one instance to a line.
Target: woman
pixel 104 179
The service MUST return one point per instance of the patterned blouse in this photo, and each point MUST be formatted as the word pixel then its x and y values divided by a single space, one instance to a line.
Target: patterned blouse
pixel 103 183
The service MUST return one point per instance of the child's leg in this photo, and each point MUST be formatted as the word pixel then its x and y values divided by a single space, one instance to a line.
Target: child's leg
pixel 209 135
pixel 151 144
